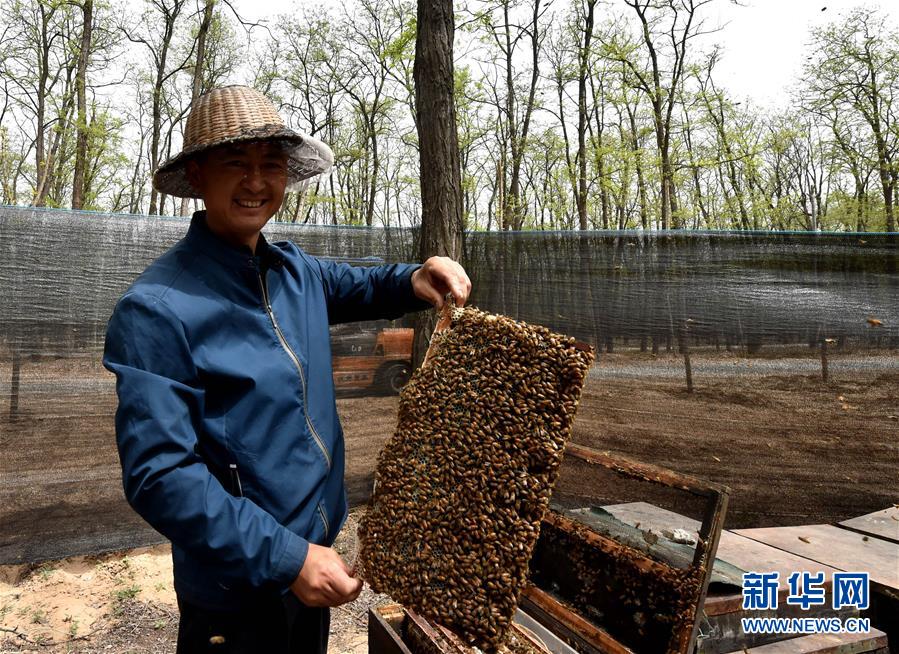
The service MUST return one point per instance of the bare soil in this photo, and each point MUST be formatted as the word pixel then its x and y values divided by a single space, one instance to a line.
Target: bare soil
pixel 124 602
pixel 792 448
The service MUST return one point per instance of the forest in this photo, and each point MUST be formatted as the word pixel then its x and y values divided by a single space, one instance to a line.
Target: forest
pixel 571 114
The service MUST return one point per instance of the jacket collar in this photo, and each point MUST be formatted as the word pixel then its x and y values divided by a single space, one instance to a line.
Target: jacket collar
pixel 231 256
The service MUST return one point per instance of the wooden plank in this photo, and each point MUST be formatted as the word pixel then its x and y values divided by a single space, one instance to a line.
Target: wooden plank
pixel 873 642
pixel 547 638
pixel 726 634
pixel 568 624
pixel 706 556
pixel 383 630
pixel 883 524
pixel 747 554
pixel 835 547
pixel 646 471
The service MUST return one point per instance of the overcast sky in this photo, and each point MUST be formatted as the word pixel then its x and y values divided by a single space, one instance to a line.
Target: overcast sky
pixel 763 41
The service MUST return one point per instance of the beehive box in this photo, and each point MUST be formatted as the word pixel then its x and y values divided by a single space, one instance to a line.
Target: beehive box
pixel 462 485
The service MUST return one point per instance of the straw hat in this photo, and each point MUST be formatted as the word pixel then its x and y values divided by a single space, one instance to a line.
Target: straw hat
pixel 233 114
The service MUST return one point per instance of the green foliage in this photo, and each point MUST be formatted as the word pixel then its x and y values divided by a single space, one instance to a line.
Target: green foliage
pixel 73 626
pixel 121 597
pixel 403 46
pixel 345 73
pixel 126 593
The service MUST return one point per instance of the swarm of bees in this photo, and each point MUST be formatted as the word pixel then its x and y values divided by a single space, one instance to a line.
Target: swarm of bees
pixel 644 604
pixel 464 482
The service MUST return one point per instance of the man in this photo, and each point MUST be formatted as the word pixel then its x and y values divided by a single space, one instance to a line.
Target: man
pixel 227 426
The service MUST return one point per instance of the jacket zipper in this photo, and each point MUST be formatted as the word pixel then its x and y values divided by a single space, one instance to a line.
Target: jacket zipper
pixel 236 488
pixel 299 367
pixel 321 512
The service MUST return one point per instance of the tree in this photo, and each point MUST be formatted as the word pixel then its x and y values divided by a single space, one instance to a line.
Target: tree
pixel 471 131
pixel 563 65
pixel 38 65
pixel 565 119
pixel 307 84
pixel 12 146
pixel 78 189
pixel 363 75
pixel 441 183
pixel 197 88
pixel 666 28
pixel 156 32
pixel 105 169
pixel 722 116
pixel 506 33
pixel 854 69
pixel 583 58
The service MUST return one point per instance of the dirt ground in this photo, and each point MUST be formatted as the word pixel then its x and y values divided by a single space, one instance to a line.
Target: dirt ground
pixel 124 602
pixel 792 448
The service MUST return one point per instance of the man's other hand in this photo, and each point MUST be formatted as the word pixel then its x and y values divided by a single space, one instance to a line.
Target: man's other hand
pixel 325 579
pixel 439 276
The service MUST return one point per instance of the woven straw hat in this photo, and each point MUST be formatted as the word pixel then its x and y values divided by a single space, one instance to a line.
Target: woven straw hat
pixel 233 114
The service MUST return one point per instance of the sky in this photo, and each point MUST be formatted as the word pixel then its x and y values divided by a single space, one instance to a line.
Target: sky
pixel 763 41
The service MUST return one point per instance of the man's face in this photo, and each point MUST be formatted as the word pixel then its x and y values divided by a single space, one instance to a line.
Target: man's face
pixel 242 185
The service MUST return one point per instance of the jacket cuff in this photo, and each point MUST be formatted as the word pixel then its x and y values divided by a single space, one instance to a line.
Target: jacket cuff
pixel 291 561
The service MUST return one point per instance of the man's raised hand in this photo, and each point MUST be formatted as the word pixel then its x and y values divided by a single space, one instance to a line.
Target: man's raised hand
pixel 439 276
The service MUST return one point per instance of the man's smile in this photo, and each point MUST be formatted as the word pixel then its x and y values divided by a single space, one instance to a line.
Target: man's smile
pixel 249 204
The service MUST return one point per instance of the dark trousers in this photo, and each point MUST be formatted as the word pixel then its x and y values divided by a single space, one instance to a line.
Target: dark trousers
pixel 274 625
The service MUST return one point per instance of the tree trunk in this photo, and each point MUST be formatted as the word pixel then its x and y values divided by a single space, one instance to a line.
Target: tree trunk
pixel 599 111
pixel 638 165
pixel 583 57
pixel 58 146
pixel 80 82
pixel 333 202
pixel 570 167
pixel 517 140
pixel 510 198
pixel 41 102
pixel 886 183
pixel 375 169
pixel 199 64
pixel 170 16
pixel 664 169
pixel 441 183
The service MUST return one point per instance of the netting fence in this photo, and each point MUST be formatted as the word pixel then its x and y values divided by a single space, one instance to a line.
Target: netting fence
pixel 791 340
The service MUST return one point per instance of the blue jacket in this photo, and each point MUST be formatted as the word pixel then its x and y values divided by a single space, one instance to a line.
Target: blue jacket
pixel 227 426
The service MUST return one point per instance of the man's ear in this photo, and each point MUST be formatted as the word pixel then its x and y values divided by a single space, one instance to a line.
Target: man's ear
pixel 193 174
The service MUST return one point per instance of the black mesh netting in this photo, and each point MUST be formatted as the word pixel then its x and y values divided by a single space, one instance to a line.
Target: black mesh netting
pixel 752 312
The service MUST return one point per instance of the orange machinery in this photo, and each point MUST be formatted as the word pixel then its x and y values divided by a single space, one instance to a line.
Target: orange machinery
pixel 379 360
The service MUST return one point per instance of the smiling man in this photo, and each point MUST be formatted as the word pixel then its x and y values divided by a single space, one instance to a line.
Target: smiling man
pixel 227 426
pixel 242 186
